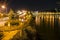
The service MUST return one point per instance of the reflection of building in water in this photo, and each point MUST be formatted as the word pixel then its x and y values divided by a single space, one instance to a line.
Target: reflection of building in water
pixel 49 18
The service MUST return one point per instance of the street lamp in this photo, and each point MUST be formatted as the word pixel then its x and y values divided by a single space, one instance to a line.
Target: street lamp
pixel 3 7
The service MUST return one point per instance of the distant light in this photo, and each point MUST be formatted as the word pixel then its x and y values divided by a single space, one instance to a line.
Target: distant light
pixel 22 20
pixel 1 14
pixel 35 13
pixel 24 11
pixel 19 12
pixel 3 6
pixel 59 18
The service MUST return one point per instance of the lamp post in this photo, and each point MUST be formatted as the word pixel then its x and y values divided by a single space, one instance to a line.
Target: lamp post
pixel 3 7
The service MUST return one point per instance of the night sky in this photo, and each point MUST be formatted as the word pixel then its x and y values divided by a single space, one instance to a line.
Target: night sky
pixel 32 4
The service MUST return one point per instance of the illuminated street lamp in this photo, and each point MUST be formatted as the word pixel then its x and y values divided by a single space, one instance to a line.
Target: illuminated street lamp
pixel 3 6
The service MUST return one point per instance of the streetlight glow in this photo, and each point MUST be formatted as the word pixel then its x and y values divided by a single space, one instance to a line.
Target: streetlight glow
pixel 3 6
pixel 19 12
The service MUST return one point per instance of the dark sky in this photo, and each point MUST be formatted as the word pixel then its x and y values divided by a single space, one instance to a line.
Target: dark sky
pixel 32 4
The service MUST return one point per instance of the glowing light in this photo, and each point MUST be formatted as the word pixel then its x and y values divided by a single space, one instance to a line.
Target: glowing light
pixel 1 14
pixel 47 16
pixel 2 23
pixel 8 23
pixel 59 18
pixel 19 12
pixel 3 6
pixel 24 11
pixel 22 20
pixel 19 19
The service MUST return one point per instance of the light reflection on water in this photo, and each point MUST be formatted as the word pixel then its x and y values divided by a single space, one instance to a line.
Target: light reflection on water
pixel 49 26
pixel 49 23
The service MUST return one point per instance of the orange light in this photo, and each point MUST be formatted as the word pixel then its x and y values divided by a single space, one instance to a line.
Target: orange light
pixel 3 6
